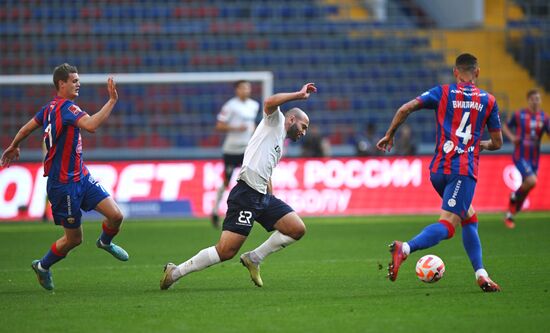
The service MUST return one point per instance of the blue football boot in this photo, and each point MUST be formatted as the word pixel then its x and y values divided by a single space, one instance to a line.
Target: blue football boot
pixel 44 278
pixel 113 249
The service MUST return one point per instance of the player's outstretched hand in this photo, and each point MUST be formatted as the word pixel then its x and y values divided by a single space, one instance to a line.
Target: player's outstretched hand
pixel 111 87
pixel 307 89
pixel 385 144
pixel 9 155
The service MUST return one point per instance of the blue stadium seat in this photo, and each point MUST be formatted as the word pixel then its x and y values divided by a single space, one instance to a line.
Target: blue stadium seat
pixel 352 67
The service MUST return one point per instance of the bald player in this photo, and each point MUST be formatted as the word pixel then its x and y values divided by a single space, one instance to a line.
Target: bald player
pixel 252 199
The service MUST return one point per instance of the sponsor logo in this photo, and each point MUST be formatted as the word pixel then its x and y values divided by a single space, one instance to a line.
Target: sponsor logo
pixel 461 92
pixel 452 201
pixel 69 207
pixel 75 109
pixel 448 146
pixel 459 150
pixel 245 218
pixel 334 186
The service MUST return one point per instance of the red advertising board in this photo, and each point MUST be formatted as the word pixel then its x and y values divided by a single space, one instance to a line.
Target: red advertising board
pixel 332 186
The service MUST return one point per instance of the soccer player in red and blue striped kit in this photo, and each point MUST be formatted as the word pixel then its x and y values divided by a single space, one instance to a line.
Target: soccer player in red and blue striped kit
pixel 462 111
pixel 529 125
pixel 70 186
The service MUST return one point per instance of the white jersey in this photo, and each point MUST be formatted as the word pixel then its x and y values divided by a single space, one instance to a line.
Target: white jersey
pixel 235 113
pixel 264 151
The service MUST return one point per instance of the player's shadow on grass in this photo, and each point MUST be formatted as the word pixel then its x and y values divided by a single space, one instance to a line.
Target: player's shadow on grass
pixel 192 290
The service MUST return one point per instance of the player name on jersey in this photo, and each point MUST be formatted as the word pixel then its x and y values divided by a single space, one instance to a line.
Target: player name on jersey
pixel 467 105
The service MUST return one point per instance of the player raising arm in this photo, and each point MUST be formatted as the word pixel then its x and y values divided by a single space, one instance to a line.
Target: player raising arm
pixel 462 111
pixel 251 199
pixel 70 186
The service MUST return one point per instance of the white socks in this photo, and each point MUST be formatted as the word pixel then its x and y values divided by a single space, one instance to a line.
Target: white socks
pixel 209 256
pixel 481 272
pixel 406 248
pixel 273 244
pixel 201 260
pixel 219 195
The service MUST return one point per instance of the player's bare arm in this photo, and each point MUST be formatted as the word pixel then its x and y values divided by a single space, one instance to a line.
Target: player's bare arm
pixel 273 102
pixel 494 143
pixel 222 126
pixel 91 123
pixel 12 152
pixel 386 143
pixel 506 130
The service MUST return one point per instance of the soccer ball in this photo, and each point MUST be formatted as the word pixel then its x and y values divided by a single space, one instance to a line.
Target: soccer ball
pixel 430 268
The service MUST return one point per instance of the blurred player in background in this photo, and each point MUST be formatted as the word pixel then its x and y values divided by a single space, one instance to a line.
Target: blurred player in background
pixel 315 144
pixel 238 119
pixel 462 111
pixel 252 199
pixel 70 186
pixel 529 125
pixel 365 141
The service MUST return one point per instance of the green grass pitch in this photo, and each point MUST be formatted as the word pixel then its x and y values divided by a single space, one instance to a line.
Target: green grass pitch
pixel 328 282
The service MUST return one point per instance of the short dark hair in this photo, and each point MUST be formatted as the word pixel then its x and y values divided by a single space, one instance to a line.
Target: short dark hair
pixel 532 92
pixel 238 83
pixel 62 72
pixel 466 62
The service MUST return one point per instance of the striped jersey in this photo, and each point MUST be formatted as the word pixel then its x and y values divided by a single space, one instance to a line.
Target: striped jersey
pixel 461 110
pixel 63 160
pixel 529 128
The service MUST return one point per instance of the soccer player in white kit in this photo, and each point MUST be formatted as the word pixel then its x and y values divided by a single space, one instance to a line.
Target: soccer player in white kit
pixel 237 118
pixel 252 199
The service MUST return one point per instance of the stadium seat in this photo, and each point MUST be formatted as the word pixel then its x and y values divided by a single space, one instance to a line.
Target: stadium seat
pixel 217 35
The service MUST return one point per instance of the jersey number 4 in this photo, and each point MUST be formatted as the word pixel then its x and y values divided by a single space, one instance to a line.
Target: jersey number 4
pixel 48 134
pixel 464 132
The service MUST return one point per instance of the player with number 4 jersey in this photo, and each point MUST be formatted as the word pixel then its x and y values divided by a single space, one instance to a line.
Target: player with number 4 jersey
pixel 462 111
pixel 70 186
pixel 252 199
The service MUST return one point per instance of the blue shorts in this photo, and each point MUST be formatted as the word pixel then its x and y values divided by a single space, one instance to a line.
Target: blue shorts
pixel 68 199
pixel 246 205
pixel 457 192
pixel 525 167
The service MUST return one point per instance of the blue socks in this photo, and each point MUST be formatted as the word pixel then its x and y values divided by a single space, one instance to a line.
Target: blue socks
pixel 51 257
pixel 432 235
pixel 471 242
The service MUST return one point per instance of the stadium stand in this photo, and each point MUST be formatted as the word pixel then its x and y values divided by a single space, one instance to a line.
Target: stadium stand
pixel 528 39
pixel 364 68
